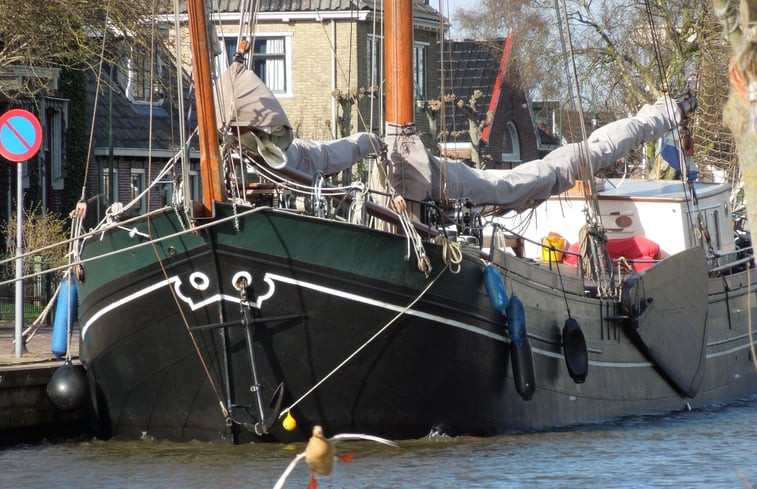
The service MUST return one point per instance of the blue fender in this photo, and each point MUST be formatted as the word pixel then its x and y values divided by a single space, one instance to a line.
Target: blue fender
pixel 521 356
pixel 495 287
pixel 66 311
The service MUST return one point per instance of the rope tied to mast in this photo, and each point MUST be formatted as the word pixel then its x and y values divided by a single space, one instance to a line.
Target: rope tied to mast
pixel 414 239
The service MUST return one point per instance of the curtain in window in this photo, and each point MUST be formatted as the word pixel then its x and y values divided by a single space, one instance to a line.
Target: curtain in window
pixel 275 69
pixel 419 71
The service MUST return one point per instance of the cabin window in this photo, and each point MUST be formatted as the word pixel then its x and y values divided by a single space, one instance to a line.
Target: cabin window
pixel 136 188
pixel 510 143
pixel 270 59
pixel 375 73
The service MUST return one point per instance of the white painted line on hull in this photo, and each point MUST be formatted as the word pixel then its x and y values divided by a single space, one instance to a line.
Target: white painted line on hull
pixel 271 278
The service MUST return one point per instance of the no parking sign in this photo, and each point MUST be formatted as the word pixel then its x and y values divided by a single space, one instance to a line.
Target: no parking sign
pixel 20 139
pixel 20 135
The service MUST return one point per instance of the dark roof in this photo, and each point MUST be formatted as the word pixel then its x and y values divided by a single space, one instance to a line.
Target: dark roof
pixel 421 8
pixel 545 135
pixel 470 66
pixel 130 122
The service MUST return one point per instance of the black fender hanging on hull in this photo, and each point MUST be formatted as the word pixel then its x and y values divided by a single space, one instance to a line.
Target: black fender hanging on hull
pixel 667 305
pixel 575 351
pixel 67 388
pixel 522 361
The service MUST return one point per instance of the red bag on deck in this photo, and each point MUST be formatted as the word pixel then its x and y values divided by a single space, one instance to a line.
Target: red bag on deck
pixel 633 248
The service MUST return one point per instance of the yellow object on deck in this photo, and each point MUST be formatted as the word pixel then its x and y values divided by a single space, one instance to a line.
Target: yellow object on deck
pixel 549 255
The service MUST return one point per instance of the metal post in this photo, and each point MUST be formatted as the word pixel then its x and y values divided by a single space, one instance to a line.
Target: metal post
pixel 19 258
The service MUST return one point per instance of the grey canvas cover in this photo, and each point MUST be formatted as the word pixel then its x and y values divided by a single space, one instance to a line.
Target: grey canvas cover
pixel 251 113
pixel 419 175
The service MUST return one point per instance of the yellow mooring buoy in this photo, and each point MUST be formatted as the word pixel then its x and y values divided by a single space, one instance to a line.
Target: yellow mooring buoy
pixel 289 422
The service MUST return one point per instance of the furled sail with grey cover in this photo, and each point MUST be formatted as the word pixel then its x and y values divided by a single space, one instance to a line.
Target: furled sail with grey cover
pixel 248 110
pixel 419 175
pixel 332 156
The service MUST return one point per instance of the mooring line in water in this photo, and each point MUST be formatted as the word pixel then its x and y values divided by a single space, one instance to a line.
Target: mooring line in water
pixel 285 411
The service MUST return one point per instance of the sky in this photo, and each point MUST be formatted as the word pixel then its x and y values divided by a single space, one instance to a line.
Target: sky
pixel 448 8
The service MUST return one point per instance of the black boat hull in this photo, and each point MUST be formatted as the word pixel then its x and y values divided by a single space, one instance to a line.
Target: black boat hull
pixel 332 313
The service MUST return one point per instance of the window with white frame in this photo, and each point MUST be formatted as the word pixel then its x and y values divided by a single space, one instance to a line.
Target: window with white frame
pixel 136 187
pixel 143 77
pixel 55 147
pixel 376 65
pixel 194 182
pixel 173 193
pixel 110 192
pixel 271 59
pixel 510 143
pixel 55 121
pixel 419 70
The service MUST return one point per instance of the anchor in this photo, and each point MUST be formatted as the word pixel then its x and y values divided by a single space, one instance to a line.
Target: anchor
pixel 240 414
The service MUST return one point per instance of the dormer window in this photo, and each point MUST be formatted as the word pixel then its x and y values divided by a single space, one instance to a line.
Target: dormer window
pixel 143 84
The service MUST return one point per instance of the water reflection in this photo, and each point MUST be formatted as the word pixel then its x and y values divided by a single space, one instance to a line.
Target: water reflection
pixel 705 448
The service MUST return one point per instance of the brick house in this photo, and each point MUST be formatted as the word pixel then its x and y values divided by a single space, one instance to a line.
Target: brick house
pixel 511 137
pixel 307 51
pixel 132 140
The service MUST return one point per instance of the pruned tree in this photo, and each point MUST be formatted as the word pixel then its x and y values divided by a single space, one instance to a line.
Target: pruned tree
pixel 346 99
pixel 476 125
pixel 623 54
pixel 626 53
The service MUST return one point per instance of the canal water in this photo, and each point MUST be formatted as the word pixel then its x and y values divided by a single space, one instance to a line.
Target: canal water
pixel 708 448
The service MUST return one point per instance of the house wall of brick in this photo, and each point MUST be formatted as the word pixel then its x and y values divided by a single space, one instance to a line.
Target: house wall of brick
pixel 329 55
pixel 100 168
pixel 512 108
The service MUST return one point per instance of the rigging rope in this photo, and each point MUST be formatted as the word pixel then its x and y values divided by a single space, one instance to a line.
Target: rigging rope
pixel 671 107
pixel 598 258
pixel 94 106
pixel 183 143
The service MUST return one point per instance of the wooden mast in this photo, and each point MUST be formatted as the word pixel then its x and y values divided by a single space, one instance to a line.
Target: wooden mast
pixel 398 62
pixel 213 187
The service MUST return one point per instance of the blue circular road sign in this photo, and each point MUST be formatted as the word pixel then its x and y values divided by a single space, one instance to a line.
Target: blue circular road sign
pixel 20 135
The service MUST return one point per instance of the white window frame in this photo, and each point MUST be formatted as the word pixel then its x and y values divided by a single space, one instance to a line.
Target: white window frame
pixel 55 146
pixel 132 80
pixel 512 132
pixel 230 42
pixel 194 182
pixel 420 80
pixel 420 69
pixel 110 196
pixel 139 173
